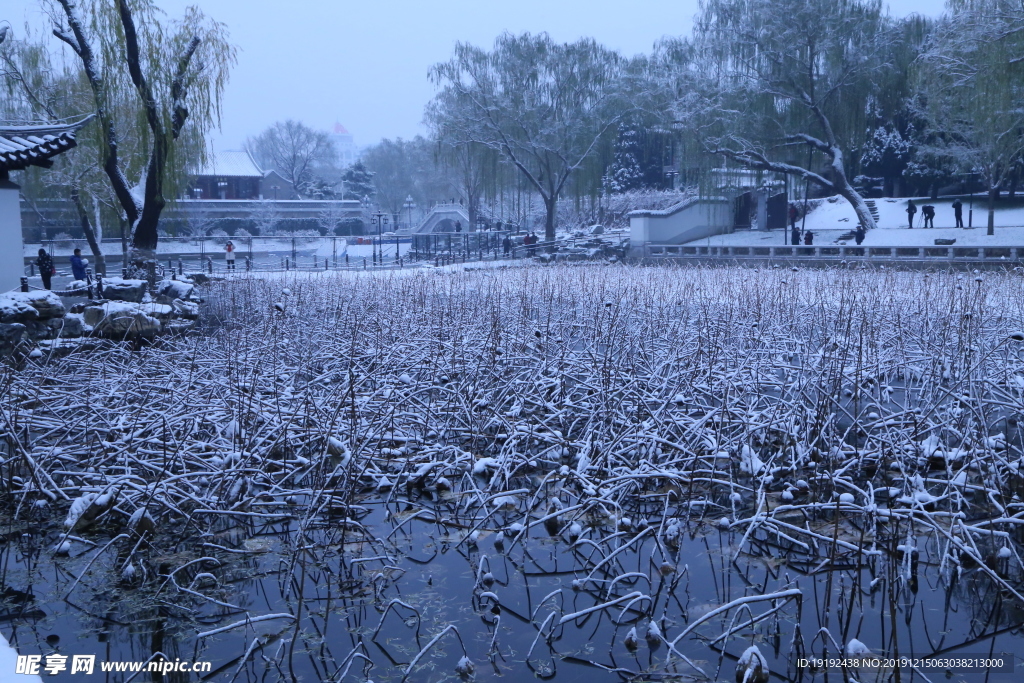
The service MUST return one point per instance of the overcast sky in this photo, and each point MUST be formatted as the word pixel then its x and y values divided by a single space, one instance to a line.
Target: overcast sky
pixel 364 64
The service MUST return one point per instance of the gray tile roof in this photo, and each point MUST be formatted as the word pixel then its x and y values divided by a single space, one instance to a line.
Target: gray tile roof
pixel 35 145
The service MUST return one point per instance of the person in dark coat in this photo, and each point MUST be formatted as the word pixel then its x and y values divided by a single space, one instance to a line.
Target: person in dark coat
pixel 911 210
pixel 808 238
pixel 531 250
pixel 795 236
pixel 78 265
pixel 859 235
pixel 506 245
pixel 958 213
pixel 45 265
pixel 928 214
pixel 458 226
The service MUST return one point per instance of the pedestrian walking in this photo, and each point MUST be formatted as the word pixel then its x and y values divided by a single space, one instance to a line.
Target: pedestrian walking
pixel 795 236
pixel 958 213
pixel 506 245
pixel 808 238
pixel 531 250
pixel 229 254
pixel 458 226
pixel 45 265
pixel 859 235
pixel 78 265
pixel 792 216
pixel 928 214
pixel 911 210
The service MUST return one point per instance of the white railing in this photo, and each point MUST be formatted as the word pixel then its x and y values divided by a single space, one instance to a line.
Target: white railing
pixel 836 253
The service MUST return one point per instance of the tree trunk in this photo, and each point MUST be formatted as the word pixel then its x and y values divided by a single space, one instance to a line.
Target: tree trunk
pixel 856 201
pixel 90 234
pixel 550 209
pixel 993 192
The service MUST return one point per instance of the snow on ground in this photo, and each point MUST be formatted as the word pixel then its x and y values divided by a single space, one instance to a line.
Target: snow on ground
pixel 832 219
pixel 1004 237
pixel 835 213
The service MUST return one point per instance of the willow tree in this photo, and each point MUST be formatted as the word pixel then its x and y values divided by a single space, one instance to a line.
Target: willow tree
pixel 971 75
pixel 38 86
pixel 156 87
pixel 782 80
pixel 544 106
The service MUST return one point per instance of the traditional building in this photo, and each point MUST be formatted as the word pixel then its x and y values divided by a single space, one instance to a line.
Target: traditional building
pixel 21 147
pixel 275 186
pixel 230 174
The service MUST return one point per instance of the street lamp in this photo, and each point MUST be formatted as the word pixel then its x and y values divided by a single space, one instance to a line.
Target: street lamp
pixel 380 219
pixel 409 206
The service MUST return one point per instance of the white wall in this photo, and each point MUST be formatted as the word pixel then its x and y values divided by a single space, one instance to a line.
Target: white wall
pixel 691 220
pixel 12 260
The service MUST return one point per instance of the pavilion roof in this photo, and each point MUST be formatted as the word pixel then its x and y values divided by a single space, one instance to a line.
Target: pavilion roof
pixel 36 145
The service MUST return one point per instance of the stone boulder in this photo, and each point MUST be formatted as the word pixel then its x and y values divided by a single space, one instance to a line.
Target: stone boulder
pixel 14 311
pixel 118 320
pixel 116 289
pixel 189 310
pixel 11 334
pixel 39 329
pixel 159 311
pixel 68 326
pixel 169 290
pixel 47 304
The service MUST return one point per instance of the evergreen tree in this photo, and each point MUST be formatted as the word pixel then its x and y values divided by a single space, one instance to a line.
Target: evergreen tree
pixel 358 182
pixel 886 155
pixel 625 172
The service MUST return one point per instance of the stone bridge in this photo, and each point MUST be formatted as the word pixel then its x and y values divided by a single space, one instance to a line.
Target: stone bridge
pixel 442 218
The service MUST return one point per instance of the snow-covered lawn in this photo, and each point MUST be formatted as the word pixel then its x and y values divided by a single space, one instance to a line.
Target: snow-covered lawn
pixel 834 217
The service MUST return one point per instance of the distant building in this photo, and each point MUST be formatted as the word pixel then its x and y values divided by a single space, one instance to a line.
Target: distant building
pixel 274 186
pixel 230 174
pixel 345 145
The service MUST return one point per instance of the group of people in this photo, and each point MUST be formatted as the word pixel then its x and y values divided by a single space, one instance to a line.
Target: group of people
pixel 808 236
pixel 44 262
pixel 928 214
pixel 529 241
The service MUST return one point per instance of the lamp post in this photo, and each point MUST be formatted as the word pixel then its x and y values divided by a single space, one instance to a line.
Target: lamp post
pixel 380 219
pixel 409 206
pixel 970 209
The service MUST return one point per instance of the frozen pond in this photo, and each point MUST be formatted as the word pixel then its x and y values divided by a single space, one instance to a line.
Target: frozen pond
pixel 572 473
